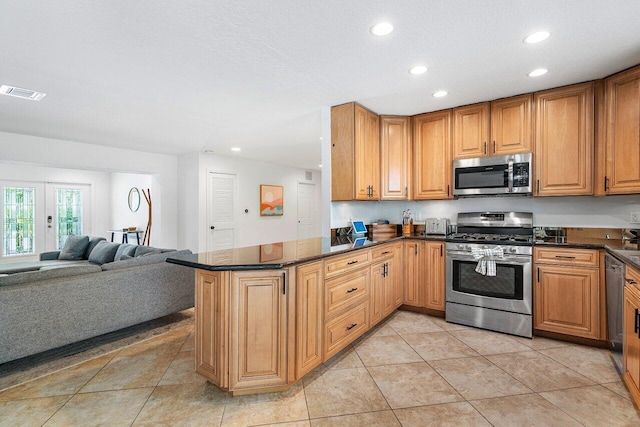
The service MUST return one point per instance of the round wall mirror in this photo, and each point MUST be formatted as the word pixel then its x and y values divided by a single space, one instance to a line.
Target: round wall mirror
pixel 134 199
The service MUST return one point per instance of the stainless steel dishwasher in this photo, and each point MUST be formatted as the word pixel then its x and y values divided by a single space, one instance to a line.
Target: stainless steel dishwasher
pixel 614 271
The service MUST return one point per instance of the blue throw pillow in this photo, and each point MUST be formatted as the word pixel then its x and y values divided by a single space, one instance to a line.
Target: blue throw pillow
pixel 74 248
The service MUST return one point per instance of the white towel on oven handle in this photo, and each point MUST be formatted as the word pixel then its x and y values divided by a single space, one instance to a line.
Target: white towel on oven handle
pixel 487 259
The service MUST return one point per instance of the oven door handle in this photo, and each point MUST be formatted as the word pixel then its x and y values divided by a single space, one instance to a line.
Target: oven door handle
pixel 512 260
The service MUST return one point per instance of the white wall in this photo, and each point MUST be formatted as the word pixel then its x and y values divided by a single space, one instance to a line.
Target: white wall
pixel 251 228
pixel 32 152
pixel 599 212
pixel 121 215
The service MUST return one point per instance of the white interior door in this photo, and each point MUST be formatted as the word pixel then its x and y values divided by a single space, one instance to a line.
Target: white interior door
pixel 221 208
pixel 68 211
pixel 306 210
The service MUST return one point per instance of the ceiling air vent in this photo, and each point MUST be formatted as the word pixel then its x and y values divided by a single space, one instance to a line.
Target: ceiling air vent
pixel 21 93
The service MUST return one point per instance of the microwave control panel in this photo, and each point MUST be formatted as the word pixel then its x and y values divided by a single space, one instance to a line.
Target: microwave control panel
pixel 521 174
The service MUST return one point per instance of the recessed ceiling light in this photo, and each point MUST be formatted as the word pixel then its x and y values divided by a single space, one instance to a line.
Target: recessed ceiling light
pixel 236 149
pixel 538 72
pixel 21 93
pixel 381 29
pixel 537 37
pixel 418 69
pixel 440 93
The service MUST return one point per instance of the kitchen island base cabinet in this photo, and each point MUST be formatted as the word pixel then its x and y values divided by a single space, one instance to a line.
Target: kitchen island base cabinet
pixel 309 309
pixel 254 354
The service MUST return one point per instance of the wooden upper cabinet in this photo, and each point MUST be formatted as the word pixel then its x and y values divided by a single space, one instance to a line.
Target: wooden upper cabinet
pixel 471 131
pixel 355 153
pixel 395 150
pixel 498 128
pixel 432 155
pixel 622 98
pixel 564 144
pixel 511 125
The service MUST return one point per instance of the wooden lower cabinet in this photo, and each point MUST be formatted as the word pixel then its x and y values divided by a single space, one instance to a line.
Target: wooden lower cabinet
pixel 242 338
pixel 631 347
pixel 258 323
pixel 211 329
pixel 414 265
pixel 424 274
pixel 435 276
pixel 568 298
pixel 309 317
pixel 386 284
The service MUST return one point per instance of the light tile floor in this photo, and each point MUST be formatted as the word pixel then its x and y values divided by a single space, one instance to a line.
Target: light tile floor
pixel 412 370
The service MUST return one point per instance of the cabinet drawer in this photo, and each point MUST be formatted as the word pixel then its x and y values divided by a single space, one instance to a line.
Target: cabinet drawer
pixel 342 292
pixel 343 263
pixel 632 277
pixel 344 329
pixel 381 252
pixel 566 256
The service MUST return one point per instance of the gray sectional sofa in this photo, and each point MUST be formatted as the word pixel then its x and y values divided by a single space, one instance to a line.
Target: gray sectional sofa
pixel 53 302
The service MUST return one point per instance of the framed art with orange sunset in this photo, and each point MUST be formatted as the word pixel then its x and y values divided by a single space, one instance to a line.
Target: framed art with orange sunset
pixel 271 200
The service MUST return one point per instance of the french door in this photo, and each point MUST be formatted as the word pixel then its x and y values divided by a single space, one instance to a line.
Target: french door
pixel 37 217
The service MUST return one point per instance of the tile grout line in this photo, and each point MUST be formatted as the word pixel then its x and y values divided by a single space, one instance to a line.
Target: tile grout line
pixel 160 379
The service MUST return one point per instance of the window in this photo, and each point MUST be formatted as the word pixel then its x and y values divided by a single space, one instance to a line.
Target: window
pixel 69 214
pixel 18 221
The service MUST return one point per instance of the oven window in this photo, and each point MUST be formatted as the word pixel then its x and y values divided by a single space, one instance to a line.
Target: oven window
pixel 506 284
pixel 481 177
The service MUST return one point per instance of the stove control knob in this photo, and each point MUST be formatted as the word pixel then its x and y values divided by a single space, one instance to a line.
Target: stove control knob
pixel 461 246
pixel 513 250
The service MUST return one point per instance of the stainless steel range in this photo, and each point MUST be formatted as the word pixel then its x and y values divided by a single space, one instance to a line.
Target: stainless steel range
pixel 488 274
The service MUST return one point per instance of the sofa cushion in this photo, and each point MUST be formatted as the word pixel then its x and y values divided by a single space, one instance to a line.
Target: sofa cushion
pixel 146 250
pixel 35 276
pixel 74 248
pixel 103 252
pixel 93 241
pixel 126 249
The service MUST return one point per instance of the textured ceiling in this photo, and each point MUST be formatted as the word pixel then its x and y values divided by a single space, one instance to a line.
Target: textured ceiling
pixel 183 76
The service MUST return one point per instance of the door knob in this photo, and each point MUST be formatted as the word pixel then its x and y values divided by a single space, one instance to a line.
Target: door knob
pixel 212 227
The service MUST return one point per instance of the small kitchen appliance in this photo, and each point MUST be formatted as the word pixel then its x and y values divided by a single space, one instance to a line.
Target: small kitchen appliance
pixel 436 226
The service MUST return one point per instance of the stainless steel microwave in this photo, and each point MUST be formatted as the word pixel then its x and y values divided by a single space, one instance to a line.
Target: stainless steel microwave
pixel 498 175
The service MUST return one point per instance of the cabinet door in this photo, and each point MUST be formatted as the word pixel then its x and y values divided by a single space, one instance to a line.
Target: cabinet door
pixel 622 94
pixel 511 125
pixel 564 141
pixel 258 330
pixel 309 320
pixel 342 152
pixel 631 349
pixel 567 301
pixel 435 275
pixel 471 131
pixel 376 298
pixel 432 156
pixel 211 326
pixel 395 151
pixel 367 155
pixel 413 291
pixel 395 272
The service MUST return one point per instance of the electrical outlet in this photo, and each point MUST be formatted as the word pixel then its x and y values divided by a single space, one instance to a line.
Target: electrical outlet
pixel 634 217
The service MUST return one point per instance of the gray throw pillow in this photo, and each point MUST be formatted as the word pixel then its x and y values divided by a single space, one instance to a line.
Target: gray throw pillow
pixel 93 241
pixel 146 250
pixel 126 249
pixel 103 252
pixel 74 248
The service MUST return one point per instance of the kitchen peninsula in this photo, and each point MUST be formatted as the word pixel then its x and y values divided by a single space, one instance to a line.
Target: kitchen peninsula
pixel 267 315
